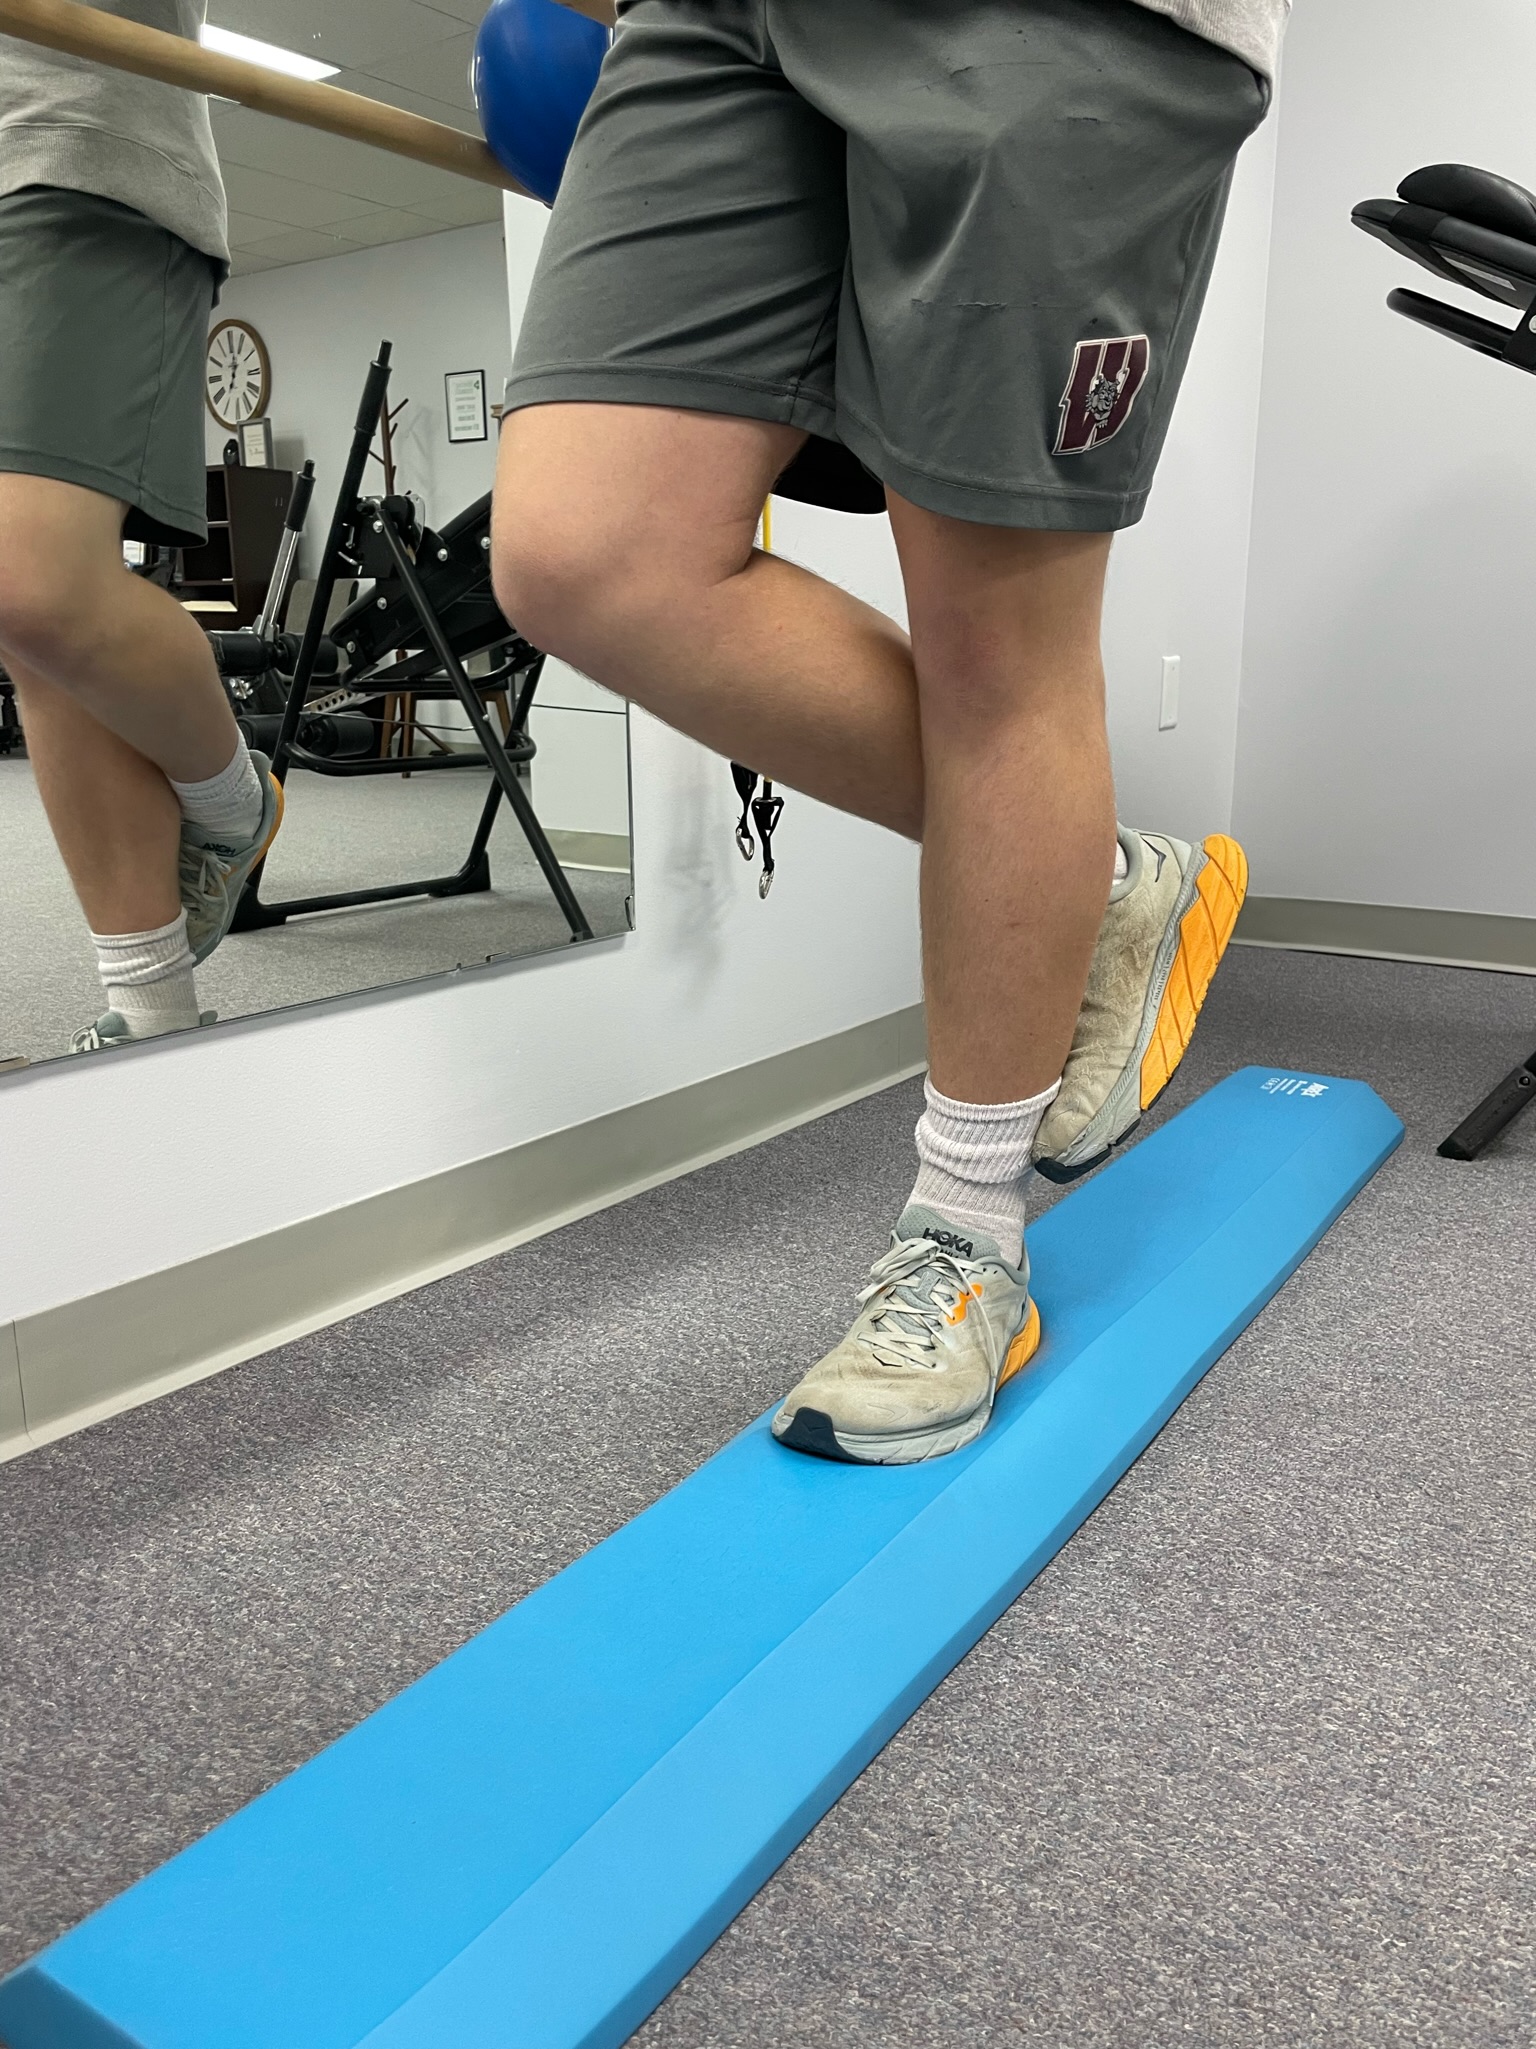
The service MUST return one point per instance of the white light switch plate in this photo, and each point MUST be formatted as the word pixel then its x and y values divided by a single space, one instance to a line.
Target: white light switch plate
pixel 1168 706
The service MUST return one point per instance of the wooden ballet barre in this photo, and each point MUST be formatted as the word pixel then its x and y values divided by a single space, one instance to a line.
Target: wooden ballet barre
pixel 150 53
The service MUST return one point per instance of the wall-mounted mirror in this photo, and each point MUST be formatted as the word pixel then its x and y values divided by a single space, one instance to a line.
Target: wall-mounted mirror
pixel 401 853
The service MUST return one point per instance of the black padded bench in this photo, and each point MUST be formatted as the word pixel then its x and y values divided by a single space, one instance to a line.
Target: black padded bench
pixel 1475 229
pixel 1478 230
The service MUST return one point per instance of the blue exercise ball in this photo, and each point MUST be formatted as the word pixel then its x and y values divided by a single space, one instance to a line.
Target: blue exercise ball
pixel 534 68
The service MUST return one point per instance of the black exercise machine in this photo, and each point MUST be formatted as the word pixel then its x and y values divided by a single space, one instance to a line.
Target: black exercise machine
pixel 430 609
pixel 1477 230
pixel 11 738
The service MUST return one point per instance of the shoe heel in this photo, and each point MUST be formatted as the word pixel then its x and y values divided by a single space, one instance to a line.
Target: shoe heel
pixel 277 820
pixel 1023 1348
pixel 1205 932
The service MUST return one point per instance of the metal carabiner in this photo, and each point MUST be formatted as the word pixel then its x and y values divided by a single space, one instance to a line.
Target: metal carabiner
pixel 767 810
pixel 745 780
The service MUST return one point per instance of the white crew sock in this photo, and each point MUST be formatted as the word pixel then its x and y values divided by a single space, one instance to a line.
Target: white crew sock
pixel 148 978
pixel 227 807
pixel 974 1158
pixel 1122 865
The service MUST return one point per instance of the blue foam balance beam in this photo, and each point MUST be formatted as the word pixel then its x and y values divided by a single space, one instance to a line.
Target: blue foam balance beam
pixel 530 1846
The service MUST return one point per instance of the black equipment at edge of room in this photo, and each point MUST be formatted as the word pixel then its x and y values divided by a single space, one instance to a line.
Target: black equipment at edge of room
pixel 1476 230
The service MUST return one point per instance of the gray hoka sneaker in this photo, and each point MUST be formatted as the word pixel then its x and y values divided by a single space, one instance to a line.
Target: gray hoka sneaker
pixel 942 1324
pixel 111 1029
pixel 1162 939
pixel 213 872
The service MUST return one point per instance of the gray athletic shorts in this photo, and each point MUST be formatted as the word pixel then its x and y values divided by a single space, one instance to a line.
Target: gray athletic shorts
pixel 103 334
pixel 969 239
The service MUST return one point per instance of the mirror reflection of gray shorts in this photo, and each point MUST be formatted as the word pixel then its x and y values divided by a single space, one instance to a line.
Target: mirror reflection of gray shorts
pixel 103 336
pixel 968 238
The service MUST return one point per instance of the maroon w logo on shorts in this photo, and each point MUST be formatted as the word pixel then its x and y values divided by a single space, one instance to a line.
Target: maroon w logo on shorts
pixel 1106 376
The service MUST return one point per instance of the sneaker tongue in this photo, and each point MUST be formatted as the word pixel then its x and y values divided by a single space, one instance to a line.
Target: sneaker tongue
pixel 225 849
pixel 918 1221
pixel 1135 850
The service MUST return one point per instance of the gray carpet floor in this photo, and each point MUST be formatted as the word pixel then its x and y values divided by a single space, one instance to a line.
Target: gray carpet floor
pixel 1249 1764
pixel 338 834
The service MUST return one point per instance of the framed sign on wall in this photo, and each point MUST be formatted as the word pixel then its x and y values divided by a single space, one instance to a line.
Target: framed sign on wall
pixel 256 444
pixel 466 405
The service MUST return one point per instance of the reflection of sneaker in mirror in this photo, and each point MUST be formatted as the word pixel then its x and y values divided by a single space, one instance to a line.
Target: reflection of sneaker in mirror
pixel 213 872
pixel 1163 936
pixel 111 1029
pixel 943 1323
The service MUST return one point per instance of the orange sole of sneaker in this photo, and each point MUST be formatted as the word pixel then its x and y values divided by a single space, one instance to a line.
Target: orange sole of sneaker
pixel 1204 934
pixel 1023 1348
pixel 282 805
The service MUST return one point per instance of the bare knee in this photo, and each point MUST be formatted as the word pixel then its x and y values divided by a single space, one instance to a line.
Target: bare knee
pixel 49 618
pixel 595 589
pixel 975 684
pixel 613 520
pixel 61 570
pixel 553 577
pixel 1005 624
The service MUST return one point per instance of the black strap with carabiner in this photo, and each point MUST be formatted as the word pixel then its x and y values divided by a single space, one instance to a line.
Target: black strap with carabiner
pixel 759 815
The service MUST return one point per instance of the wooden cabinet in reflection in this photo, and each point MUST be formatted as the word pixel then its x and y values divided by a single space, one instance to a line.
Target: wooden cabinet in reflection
pixel 225 581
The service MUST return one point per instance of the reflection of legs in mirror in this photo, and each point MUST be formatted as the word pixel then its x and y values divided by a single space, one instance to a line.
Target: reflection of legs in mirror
pixel 118 827
pixel 119 695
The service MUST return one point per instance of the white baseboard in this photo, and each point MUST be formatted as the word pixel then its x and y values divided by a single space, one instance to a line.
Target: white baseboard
pixel 606 851
pixel 1447 939
pixel 13 1421
pixel 77 1364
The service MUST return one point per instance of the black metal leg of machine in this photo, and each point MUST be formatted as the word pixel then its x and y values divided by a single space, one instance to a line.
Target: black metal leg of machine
pixel 256 916
pixel 351 517
pixel 485 733
pixel 253 915
pixel 1493 1114
pixel 337 542
pixel 479 852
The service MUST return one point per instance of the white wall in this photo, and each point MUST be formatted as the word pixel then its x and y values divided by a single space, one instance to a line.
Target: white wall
pixel 1177 582
pixel 218 1138
pixel 1387 750
pixel 440 299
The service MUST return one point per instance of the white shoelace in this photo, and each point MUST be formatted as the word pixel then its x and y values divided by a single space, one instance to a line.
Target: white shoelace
pixel 91 1039
pixel 204 878
pixel 906 1328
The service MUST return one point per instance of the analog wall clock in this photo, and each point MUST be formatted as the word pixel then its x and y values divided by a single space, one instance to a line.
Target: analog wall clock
pixel 238 383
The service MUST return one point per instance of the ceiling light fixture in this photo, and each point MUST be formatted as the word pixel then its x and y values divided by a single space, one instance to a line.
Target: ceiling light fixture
pixel 268 55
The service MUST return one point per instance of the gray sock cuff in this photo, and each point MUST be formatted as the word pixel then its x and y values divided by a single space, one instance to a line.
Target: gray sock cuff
pixel 983 1144
pixel 133 960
